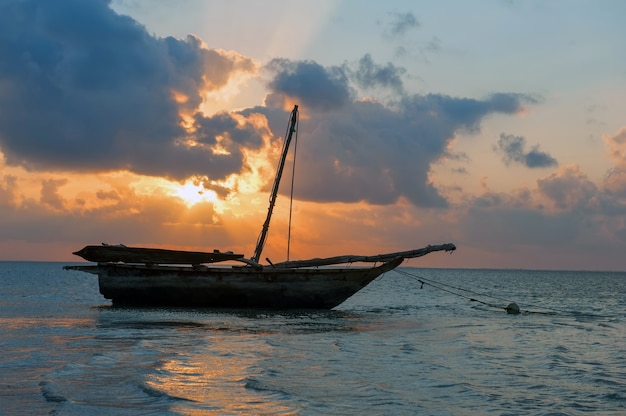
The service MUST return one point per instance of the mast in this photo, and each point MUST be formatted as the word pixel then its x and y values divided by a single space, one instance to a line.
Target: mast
pixel 281 164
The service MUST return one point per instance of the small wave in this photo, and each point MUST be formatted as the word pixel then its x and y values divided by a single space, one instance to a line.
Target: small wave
pixel 614 397
pixel 49 394
pixel 152 392
pixel 254 384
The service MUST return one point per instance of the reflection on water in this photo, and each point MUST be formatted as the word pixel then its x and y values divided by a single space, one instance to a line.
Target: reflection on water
pixel 231 321
pixel 192 361
pixel 215 376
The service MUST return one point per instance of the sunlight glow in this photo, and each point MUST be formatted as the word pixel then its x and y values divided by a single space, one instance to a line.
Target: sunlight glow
pixel 219 148
pixel 192 193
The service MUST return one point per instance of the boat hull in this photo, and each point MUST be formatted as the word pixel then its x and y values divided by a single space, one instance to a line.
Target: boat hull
pixel 233 287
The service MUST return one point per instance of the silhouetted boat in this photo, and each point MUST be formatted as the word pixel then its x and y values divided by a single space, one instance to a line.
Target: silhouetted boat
pixel 158 277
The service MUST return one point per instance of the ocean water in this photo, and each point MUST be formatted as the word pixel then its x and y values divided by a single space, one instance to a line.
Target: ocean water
pixel 398 347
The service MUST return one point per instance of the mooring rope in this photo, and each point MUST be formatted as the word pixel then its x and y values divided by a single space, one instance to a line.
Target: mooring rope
pixel 440 286
pixel 511 307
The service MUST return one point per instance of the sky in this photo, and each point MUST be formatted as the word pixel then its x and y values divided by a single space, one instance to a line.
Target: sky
pixel 496 125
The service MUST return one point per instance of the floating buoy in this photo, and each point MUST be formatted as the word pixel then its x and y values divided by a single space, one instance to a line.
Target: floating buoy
pixel 512 308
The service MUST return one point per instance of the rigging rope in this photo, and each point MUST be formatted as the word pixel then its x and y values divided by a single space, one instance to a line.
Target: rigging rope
pixel 293 175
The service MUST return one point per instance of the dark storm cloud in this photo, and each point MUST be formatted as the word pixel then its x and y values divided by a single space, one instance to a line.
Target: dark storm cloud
pixel 221 124
pixel 83 88
pixel 318 87
pixel 369 74
pixel 330 87
pixel 513 149
pixel 363 150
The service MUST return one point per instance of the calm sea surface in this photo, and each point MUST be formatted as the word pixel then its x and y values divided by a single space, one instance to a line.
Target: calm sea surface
pixel 395 348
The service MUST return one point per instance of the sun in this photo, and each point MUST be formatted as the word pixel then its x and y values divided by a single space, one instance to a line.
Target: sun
pixel 192 194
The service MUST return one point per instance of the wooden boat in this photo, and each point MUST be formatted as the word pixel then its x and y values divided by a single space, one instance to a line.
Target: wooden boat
pixel 158 277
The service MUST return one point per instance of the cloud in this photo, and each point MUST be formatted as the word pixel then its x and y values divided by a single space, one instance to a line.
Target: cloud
pixel 569 188
pixel 8 191
pixel 513 149
pixel 615 181
pixel 363 150
pixel 328 88
pixel 316 86
pixel 132 219
pixel 395 29
pixel 86 89
pixel 559 216
pixel 50 193
pixel 565 214
pixel 401 23
pixel 434 45
pixel 370 75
